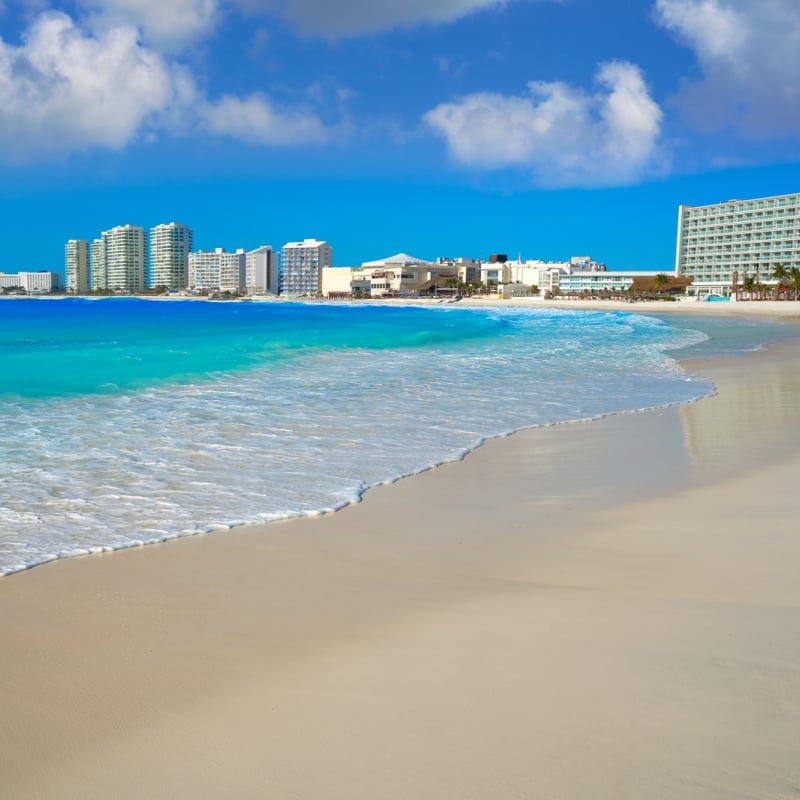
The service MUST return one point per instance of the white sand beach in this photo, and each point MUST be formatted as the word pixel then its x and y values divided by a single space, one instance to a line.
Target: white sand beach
pixel 594 610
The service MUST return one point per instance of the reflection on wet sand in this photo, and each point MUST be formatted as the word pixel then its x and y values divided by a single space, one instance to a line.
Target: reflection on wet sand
pixel 755 418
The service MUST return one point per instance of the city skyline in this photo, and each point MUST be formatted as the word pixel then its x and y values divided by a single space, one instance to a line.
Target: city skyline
pixel 457 126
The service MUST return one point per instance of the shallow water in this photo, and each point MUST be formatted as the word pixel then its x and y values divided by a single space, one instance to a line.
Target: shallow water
pixel 125 421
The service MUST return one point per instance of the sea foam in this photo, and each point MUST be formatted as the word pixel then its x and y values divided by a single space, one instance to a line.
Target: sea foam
pixel 309 432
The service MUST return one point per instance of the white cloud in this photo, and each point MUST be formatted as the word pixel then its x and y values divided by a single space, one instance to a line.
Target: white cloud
pixel 165 24
pixel 255 120
pixel 749 53
pixel 566 136
pixel 354 17
pixel 64 90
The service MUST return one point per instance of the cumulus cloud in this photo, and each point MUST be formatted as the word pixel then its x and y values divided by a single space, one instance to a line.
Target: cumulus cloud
pixel 165 25
pixel 749 53
pixel 566 136
pixel 255 120
pixel 354 17
pixel 64 90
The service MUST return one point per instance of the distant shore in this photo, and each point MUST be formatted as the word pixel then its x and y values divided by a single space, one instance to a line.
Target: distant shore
pixel 599 609
pixel 683 305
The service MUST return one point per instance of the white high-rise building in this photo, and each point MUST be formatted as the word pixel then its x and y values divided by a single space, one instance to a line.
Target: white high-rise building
pixel 262 271
pixel 170 245
pixel 76 265
pixel 742 236
pixel 301 267
pixel 99 272
pixel 126 256
pixel 217 270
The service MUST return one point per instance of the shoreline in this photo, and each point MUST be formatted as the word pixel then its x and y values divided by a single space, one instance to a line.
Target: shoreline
pixel 786 309
pixel 409 629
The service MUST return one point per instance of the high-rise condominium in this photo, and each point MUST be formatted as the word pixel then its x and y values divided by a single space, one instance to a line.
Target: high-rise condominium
pixel 170 245
pixel 76 265
pixel 217 270
pixel 125 258
pixel 262 271
pixel 99 264
pixel 742 236
pixel 301 266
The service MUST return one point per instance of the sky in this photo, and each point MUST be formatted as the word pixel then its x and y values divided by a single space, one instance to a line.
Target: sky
pixel 541 128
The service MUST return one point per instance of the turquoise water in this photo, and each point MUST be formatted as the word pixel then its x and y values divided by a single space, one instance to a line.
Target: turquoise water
pixel 125 421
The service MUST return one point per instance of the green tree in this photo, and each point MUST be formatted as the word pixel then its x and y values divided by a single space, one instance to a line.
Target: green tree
pixel 661 280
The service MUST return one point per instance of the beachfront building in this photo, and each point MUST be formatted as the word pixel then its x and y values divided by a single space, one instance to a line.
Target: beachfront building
pixel 546 276
pixel 125 255
pixel 395 276
pixel 218 271
pixel 301 267
pixel 745 238
pixel 261 271
pixel 31 282
pixel 98 271
pixel 76 266
pixel 469 269
pixel 170 245
pixel 614 281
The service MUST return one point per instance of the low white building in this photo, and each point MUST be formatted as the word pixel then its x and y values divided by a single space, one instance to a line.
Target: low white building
pixel 31 282
pixel 544 275
pixel 608 281
pixel 217 270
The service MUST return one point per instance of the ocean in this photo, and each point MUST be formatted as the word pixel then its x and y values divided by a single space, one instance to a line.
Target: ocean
pixel 125 422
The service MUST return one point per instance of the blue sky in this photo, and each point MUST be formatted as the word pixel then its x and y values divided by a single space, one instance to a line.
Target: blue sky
pixel 438 127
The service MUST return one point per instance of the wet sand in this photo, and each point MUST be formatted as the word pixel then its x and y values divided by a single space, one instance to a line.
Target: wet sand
pixel 605 609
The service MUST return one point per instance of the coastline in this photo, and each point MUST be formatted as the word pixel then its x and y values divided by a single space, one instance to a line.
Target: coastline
pixel 787 309
pixel 540 603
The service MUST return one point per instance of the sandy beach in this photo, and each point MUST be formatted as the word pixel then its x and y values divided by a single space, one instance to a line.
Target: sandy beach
pixel 593 610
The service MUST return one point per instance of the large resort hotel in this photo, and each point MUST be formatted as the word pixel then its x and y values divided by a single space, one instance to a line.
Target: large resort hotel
pixel 735 240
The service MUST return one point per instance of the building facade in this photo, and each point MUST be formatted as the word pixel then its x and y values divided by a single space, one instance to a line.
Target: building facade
pixel 31 282
pixel 98 272
pixel 301 267
pixel 76 266
pixel 125 251
pixel 218 271
pixel 747 237
pixel 170 245
pixel 261 271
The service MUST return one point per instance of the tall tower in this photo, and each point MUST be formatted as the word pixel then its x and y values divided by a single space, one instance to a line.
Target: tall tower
pixel 76 266
pixel 170 245
pixel 126 253
pixel 99 271
pixel 301 267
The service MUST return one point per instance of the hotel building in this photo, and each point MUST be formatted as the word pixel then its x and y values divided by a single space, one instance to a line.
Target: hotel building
pixel 119 258
pixel 217 270
pixel 261 271
pixel 98 274
pixel 32 282
pixel 170 245
pixel 76 266
pixel 301 267
pixel 747 237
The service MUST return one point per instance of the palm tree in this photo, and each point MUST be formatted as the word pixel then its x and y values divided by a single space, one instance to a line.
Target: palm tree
pixel 780 274
pixel 661 280
pixel 794 278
